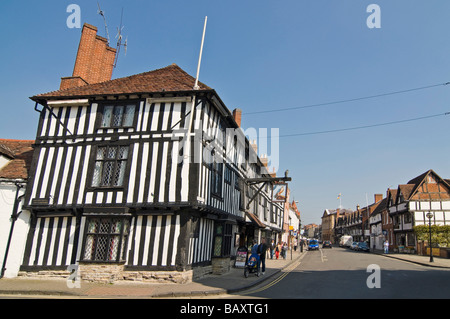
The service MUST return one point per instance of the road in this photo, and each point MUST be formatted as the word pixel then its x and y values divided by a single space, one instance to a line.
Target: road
pixel 342 273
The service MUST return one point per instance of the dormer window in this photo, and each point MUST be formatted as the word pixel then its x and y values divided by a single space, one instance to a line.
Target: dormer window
pixel 118 116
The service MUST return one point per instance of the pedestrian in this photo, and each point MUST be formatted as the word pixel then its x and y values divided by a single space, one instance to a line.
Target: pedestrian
pixel 254 247
pixel 272 249
pixel 262 250
pixel 285 248
pixel 386 246
pixel 277 251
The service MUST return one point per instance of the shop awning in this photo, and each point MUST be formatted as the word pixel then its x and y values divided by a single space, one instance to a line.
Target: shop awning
pixel 255 220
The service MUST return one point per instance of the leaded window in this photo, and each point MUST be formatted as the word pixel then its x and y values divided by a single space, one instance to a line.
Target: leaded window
pixel 216 178
pixel 222 240
pixel 118 116
pixel 106 239
pixel 109 167
pixel 228 174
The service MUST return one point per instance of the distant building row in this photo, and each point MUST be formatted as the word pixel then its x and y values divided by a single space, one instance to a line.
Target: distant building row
pixel 393 217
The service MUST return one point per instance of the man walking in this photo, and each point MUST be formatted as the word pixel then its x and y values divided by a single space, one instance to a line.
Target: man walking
pixel 386 247
pixel 272 249
pixel 262 249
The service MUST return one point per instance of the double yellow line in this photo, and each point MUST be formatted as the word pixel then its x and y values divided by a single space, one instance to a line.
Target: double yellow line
pixel 286 271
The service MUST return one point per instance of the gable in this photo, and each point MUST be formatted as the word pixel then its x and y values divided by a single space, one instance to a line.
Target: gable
pixel 404 192
pixel 391 196
pixel 431 187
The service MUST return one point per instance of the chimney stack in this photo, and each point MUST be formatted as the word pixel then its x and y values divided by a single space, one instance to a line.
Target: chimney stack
pixel 94 62
pixel 264 160
pixel 237 114
pixel 254 145
pixel 378 197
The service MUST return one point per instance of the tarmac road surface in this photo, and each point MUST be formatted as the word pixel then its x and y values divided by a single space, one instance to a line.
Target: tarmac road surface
pixel 340 273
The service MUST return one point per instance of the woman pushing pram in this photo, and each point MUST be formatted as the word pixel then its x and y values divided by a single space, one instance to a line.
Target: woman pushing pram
pixel 253 261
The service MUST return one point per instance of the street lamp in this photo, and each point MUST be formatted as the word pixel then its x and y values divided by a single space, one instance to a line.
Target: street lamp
pixel 429 216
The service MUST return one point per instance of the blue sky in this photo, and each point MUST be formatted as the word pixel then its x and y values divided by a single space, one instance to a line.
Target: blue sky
pixel 267 55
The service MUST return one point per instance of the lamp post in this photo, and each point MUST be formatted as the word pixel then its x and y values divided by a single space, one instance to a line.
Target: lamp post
pixel 429 216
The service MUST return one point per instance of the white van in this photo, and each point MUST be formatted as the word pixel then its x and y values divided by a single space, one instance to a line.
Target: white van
pixel 345 241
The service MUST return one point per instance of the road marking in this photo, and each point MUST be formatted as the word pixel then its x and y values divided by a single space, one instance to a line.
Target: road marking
pixel 324 258
pixel 286 271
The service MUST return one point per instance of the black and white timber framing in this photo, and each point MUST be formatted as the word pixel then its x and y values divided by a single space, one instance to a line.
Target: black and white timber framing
pixel 169 207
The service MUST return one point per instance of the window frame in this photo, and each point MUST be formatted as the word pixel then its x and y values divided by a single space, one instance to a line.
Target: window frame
pixel 228 173
pixel 226 242
pixel 93 160
pixel 116 104
pixel 216 187
pixel 122 246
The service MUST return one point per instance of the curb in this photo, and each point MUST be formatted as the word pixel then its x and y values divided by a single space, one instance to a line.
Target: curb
pixel 411 261
pixel 173 294
pixel 221 291
pixel 267 277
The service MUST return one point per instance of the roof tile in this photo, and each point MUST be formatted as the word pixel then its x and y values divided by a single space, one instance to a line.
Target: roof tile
pixel 22 154
pixel 168 79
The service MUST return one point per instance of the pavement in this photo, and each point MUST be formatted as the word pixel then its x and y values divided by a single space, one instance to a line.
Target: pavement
pixel 233 281
pixel 210 285
pixel 438 262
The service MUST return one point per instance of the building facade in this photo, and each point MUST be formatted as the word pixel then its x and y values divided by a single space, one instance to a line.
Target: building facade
pixel 142 176
pixel 378 234
pixel 410 204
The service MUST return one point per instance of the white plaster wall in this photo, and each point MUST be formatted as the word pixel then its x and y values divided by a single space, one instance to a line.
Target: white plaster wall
pixel 21 226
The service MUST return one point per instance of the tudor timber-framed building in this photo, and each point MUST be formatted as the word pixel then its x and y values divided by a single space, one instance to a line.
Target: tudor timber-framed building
pixel 135 176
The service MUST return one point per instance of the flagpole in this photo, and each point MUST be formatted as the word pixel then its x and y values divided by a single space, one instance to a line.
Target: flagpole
pixel 196 87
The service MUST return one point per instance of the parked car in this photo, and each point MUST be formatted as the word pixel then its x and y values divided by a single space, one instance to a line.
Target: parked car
pixel 354 245
pixel 363 246
pixel 313 245
pixel 327 243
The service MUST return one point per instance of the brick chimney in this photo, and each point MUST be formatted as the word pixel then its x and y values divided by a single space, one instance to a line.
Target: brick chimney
pixel 378 197
pixel 264 160
pixel 254 145
pixel 94 62
pixel 237 114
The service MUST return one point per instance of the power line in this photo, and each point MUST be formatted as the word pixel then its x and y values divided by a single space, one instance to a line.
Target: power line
pixel 364 126
pixel 348 100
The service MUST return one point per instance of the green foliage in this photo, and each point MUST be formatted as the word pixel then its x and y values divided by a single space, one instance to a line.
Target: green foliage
pixel 439 234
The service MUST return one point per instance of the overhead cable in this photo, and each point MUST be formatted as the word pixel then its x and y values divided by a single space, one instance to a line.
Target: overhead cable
pixel 347 100
pixel 364 126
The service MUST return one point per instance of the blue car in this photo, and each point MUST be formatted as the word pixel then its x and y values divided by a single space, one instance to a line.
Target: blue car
pixel 313 245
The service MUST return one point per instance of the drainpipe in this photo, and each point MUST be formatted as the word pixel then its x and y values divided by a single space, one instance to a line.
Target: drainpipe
pixel 14 217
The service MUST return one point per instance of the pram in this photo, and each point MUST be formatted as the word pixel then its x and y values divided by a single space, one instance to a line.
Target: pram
pixel 252 265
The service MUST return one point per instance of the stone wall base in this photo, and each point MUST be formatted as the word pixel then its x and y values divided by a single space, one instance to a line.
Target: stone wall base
pixel 45 274
pixel 110 273
pixel 220 266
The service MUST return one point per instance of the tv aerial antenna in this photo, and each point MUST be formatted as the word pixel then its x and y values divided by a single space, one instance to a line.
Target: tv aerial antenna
pixel 119 43
pixel 119 35
pixel 102 13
